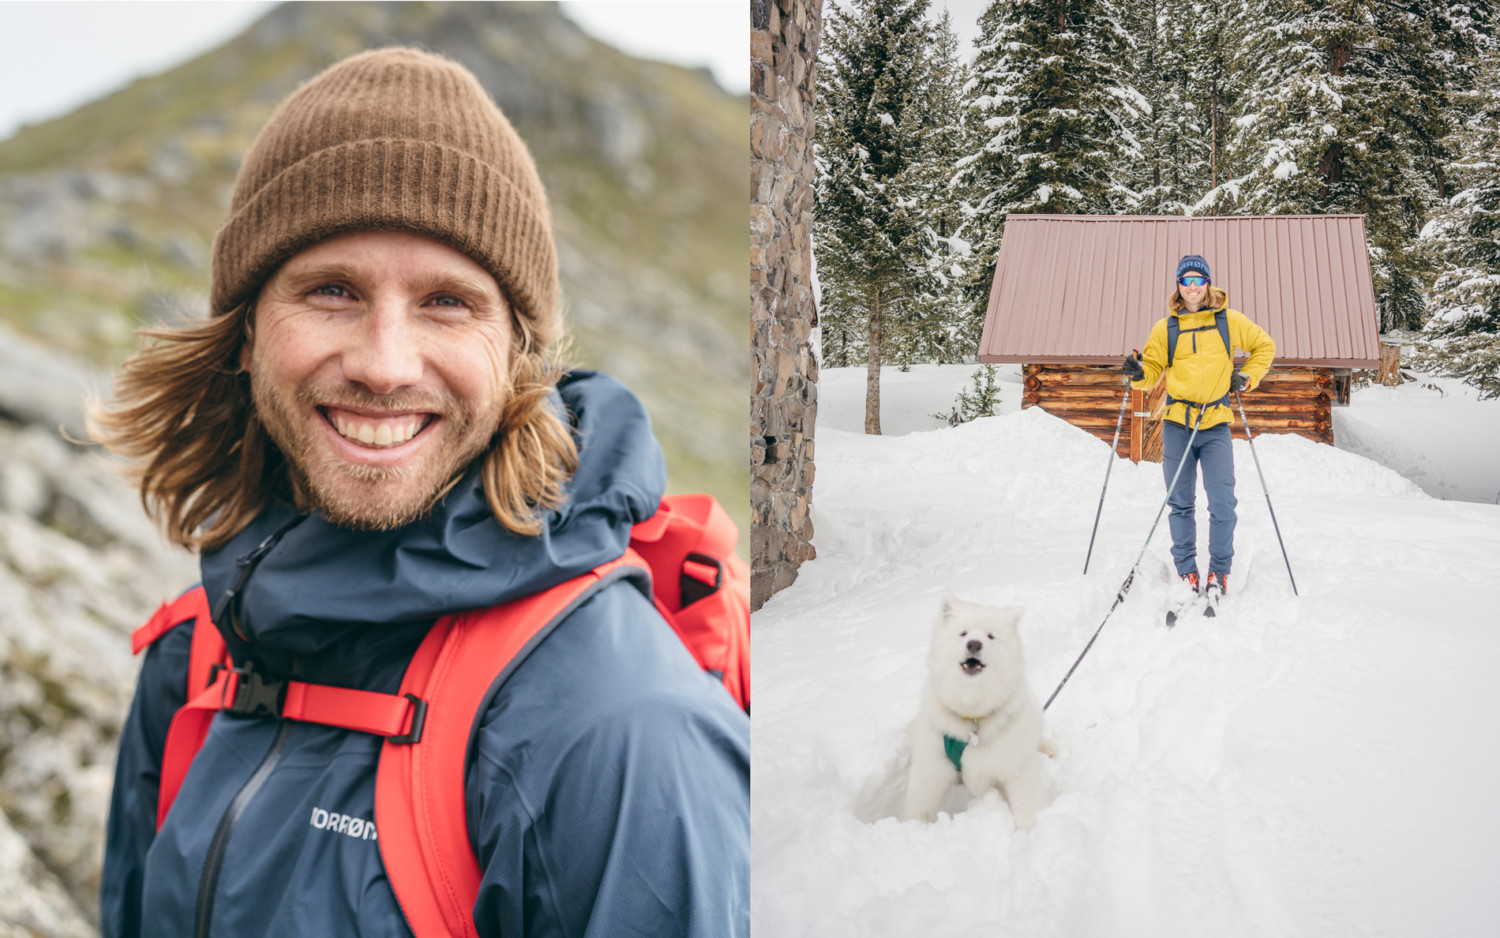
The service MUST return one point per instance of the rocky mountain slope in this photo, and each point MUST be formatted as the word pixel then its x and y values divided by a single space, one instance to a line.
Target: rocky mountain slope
pixel 106 218
pixel 80 567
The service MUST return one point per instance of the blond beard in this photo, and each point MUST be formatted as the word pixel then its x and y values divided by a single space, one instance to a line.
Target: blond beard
pixel 360 497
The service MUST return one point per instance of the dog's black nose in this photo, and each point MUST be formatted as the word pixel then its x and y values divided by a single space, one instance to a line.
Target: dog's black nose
pixel 974 646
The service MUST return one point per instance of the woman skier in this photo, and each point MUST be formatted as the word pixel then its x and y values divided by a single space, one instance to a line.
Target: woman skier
pixel 1193 345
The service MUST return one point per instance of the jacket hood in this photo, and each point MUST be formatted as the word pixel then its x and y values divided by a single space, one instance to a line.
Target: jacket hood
pixel 321 585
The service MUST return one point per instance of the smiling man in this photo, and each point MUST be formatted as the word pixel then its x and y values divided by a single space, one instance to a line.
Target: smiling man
pixel 369 434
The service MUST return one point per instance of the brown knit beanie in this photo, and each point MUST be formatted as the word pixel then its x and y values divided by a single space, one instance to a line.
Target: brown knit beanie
pixel 395 138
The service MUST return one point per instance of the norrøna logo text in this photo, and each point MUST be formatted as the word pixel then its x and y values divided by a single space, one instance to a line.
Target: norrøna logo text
pixel 356 827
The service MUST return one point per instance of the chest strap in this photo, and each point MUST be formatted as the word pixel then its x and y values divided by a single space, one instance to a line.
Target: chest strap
pixel 397 717
pixel 1174 328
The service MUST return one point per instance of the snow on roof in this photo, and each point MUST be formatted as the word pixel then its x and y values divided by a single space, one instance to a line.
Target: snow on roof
pixel 1086 289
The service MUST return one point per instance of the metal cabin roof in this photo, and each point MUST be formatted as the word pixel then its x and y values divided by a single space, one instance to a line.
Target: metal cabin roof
pixel 1086 289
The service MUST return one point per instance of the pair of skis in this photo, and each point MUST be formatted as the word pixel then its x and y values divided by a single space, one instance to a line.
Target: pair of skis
pixel 1207 603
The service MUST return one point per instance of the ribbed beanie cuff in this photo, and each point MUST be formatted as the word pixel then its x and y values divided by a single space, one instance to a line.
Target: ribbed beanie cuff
pixel 392 139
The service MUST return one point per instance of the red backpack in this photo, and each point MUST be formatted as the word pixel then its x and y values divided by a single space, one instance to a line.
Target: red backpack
pixel 698 584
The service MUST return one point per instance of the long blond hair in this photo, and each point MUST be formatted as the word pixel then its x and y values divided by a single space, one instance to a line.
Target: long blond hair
pixel 1213 299
pixel 183 417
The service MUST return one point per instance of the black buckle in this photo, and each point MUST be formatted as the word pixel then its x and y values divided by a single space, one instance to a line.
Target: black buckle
pixel 694 589
pixel 418 718
pixel 255 695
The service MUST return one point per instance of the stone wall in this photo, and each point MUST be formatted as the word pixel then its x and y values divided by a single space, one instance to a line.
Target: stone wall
pixel 784 40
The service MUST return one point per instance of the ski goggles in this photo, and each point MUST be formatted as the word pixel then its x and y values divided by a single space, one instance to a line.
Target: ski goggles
pixel 1194 281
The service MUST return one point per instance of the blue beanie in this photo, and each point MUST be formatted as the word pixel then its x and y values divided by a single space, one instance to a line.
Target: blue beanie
pixel 1193 262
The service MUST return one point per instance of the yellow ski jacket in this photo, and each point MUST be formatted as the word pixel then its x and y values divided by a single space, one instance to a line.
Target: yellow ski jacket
pixel 1201 366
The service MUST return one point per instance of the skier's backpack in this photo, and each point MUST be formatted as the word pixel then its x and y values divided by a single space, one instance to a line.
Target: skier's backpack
pixel 699 585
pixel 1221 323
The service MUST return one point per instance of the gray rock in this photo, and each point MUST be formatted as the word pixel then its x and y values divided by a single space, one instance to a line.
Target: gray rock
pixel 40 386
pixel 23 489
pixel 67 607
pixel 41 219
pixel 32 900
pixel 172 164
pixel 619 132
pixel 185 249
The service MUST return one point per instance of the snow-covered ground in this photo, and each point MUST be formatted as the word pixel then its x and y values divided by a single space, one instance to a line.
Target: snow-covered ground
pixel 1314 765
pixel 1434 431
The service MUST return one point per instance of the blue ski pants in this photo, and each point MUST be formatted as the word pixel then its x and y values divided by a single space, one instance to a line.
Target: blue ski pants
pixel 1213 452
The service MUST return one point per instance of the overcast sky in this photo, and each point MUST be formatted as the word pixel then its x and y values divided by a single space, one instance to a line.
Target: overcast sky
pixel 55 56
pixel 965 15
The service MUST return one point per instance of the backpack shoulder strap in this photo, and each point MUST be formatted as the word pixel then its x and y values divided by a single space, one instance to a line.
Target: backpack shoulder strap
pixel 1221 319
pixel 189 724
pixel 421 811
pixel 1173 327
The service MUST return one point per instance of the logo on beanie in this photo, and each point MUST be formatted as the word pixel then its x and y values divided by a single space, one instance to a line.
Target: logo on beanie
pixel 1193 262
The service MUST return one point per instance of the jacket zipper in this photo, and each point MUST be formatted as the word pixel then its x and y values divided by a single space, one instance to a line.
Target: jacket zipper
pixel 227 611
pixel 220 844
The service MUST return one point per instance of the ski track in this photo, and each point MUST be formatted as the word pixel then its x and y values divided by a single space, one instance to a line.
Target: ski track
pixel 1321 765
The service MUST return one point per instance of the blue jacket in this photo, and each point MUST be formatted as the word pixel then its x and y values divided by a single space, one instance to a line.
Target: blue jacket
pixel 609 789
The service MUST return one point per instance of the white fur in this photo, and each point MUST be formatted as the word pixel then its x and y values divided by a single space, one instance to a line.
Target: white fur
pixel 1009 719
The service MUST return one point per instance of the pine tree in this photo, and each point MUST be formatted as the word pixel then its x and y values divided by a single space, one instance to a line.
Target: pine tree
pixel 978 400
pixel 1337 119
pixel 1051 92
pixel 1171 126
pixel 867 219
pixel 936 325
pixel 1464 304
pixel 1214 34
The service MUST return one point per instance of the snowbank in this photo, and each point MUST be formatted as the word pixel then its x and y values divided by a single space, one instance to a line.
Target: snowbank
pixel 1434 431
pixel 1320 764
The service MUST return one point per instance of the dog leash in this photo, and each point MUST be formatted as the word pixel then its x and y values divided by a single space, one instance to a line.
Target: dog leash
pixel 1125 587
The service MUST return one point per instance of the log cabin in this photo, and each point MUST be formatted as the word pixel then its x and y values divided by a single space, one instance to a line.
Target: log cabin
pixel 1073 294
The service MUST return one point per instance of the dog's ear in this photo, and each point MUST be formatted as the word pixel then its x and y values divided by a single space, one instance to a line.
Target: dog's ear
pixel 1015 613
pixel 945 605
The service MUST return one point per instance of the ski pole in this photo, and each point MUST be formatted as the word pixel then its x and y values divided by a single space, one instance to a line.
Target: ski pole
pixel 1125 587
pixel 1113 449
pixel 1251 440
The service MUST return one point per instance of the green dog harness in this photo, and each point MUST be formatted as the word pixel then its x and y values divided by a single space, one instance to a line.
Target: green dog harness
pixel 955 749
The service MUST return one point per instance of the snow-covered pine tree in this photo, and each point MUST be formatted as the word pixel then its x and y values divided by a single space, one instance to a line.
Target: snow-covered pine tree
pixel 1167 43
pixel 867 223
pixel 1056 106
pixel 1214 33
pixel 978 400
pixel 1334 120
pixel 1464 328
pixel 935 326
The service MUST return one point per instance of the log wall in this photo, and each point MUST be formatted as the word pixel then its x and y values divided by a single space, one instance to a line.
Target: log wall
pixel 1289 400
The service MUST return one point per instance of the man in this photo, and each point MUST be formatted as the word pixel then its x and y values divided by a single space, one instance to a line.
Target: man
pixel 368 434
pixel 1195 428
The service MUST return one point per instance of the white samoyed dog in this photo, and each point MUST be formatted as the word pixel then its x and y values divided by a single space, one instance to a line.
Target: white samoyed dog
pixel 977 710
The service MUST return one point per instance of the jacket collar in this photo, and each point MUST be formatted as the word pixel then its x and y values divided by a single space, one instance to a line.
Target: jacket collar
pixel 321 585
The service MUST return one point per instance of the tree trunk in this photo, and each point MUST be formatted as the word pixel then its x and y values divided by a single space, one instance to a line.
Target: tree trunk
pixel 872 370
pixel 1390 365
pixel 1213 136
